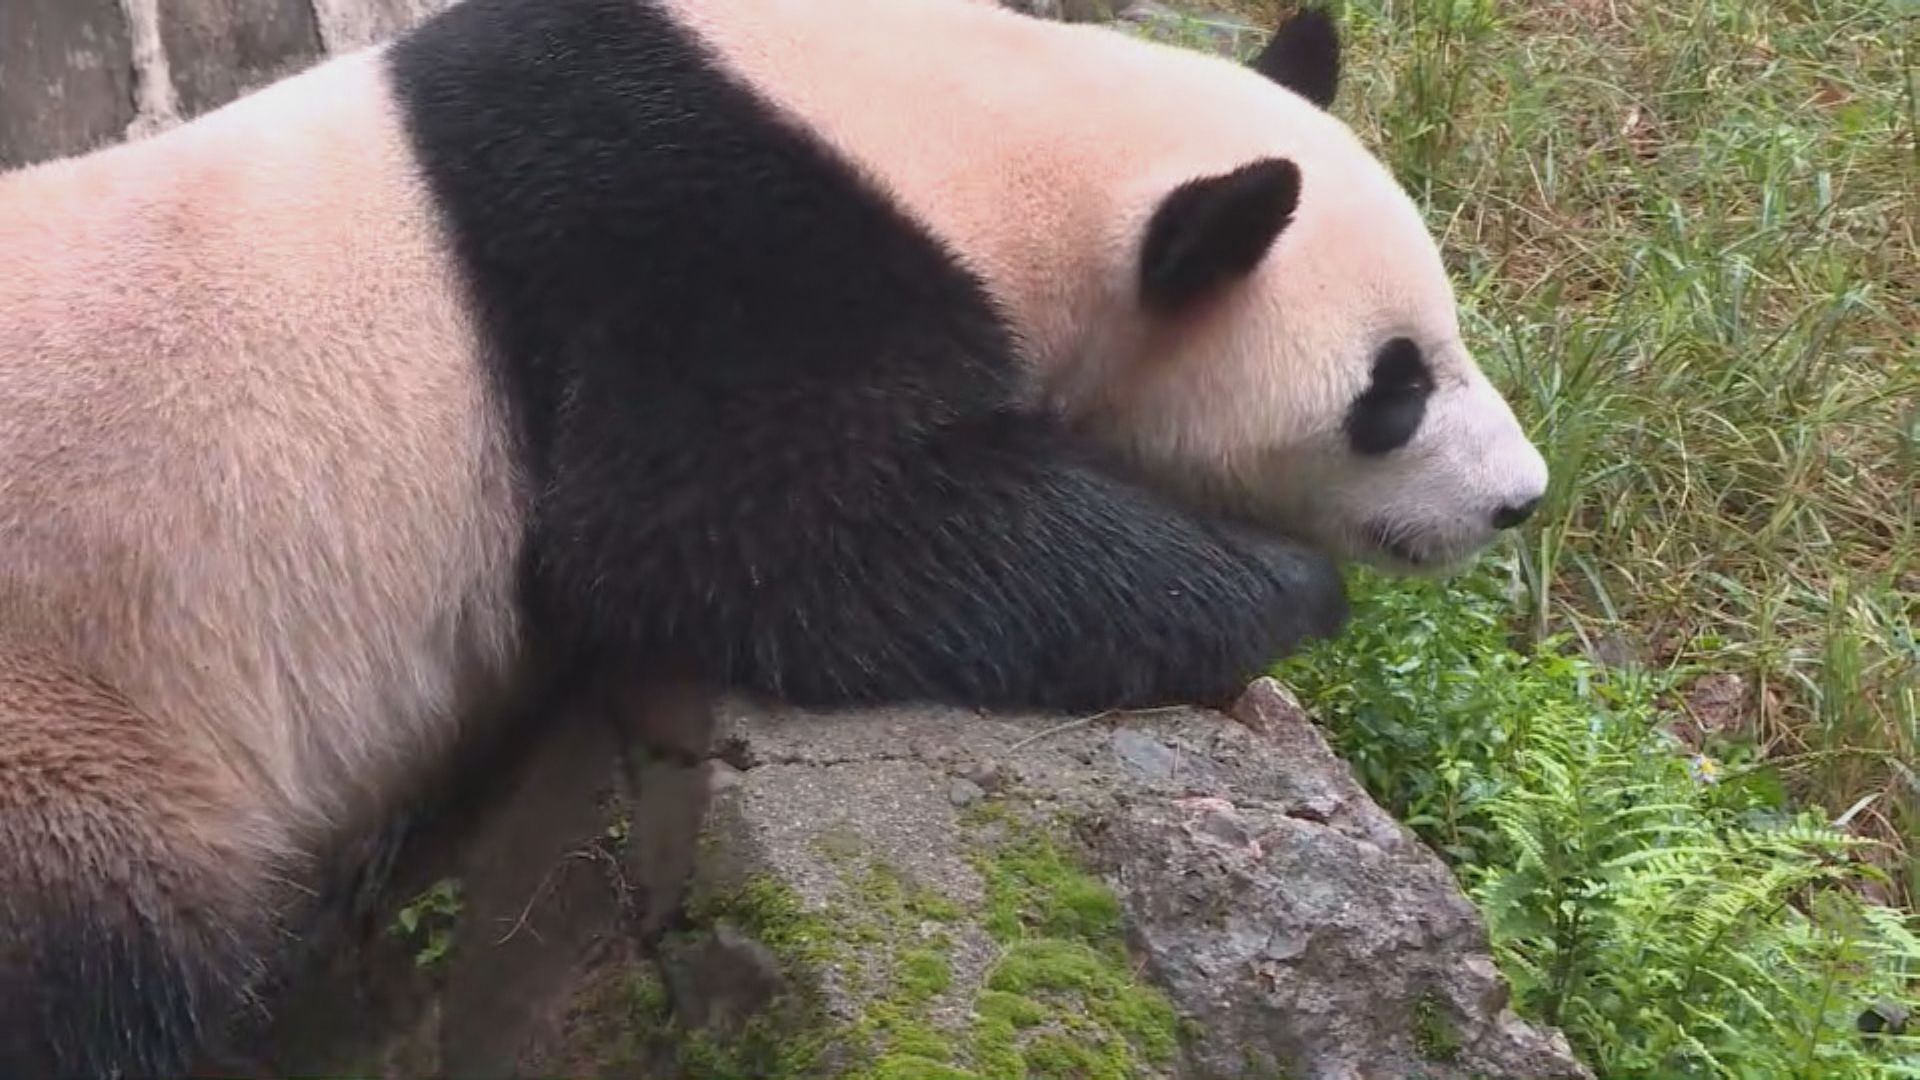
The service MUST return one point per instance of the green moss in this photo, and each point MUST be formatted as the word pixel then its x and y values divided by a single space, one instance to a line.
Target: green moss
pixel 645 998
pixel 773 914
pixel 644 1017
pixel 895 1028
pixel 1015 1010
pixel 790 1039
pixel 1065 970
pixel 1050 964
pixel 872 936
pixel 1433 1036
pixel 1055 1055
pixel 999 1017
pixel 888 897
pixel 768 1047
pixel 922 974
pixel 908 1067
pixel 1084 977
pixel 1032 887
pixel 995 1050
pixel 916 1039
pixel 1060 1002
pixel 619 1017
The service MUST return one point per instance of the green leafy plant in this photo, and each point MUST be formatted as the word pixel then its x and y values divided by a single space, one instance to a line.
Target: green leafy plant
pixel 428 920
pixel 1674 917
pixel 1682 234
pixel 1674 937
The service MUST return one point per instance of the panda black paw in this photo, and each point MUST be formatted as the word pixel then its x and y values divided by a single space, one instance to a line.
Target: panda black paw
pixel 1251 602
pixel 1319 590
pixel 1307 591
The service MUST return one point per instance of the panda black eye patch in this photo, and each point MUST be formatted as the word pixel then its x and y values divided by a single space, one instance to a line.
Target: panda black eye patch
pixel 1385 416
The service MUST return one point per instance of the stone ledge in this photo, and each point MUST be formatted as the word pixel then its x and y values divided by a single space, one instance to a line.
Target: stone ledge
pixel 923 888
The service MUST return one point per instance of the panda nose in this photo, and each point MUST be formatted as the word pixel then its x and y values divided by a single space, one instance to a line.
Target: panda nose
pixel 1509 516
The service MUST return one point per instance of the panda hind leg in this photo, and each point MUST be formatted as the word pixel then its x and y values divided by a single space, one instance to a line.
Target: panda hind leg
pixel 130 910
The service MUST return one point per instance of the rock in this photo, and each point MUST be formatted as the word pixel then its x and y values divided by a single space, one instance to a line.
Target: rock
pixel 1045 9
pixel 1271 709
pixel 1356 951
pixel 351 24
pixel 219 49
pixel 964 792
pixel 988 776
pixel 1279 910
pixel 722 978
pixel 1174 891
pixel 1613 649
pixel 1885 1018
pixel 66 78
pixel 1143 756
pixel 1718 703
pixel 569 844
pixel 80 74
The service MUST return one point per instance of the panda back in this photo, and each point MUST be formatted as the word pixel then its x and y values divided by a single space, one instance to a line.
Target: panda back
pixel 250 473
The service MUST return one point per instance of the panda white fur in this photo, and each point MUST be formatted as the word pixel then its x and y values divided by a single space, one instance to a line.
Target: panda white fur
pixel 852 351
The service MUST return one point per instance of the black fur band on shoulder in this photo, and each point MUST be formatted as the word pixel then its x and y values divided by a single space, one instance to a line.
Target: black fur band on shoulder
pixel 770 417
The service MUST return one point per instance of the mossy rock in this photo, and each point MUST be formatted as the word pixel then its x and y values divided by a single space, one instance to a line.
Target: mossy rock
pixel 868 973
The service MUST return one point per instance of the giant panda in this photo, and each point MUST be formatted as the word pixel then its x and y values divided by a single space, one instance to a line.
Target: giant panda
pixel 841 350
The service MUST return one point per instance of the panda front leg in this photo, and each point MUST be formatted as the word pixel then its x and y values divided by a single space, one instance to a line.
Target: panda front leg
pixel 988 566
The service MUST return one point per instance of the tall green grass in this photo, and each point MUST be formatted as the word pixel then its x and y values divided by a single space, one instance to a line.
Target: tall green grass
pixel 1685 237
pixel 1670 736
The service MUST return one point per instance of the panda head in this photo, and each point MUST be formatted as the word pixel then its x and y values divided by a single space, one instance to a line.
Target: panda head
pixel 1280 338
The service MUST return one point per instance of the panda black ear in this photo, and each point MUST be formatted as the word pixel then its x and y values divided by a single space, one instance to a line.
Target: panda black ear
pixel 1304 56
pixel 1210 230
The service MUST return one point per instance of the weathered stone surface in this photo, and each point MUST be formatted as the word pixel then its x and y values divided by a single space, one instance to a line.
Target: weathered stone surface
pixel 79 74
pixel 1287 917
pixel 217 50
pixel 352 24
pixel 66 78
pixel 76 74
pixel 1302 928
pixel 808 897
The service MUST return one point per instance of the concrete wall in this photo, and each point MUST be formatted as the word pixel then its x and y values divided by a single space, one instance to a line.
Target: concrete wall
pixel 78 74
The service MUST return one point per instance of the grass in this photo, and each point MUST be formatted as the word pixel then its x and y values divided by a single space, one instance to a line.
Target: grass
pixel 1669 737
pixel 1675 921
pixel 1684 236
